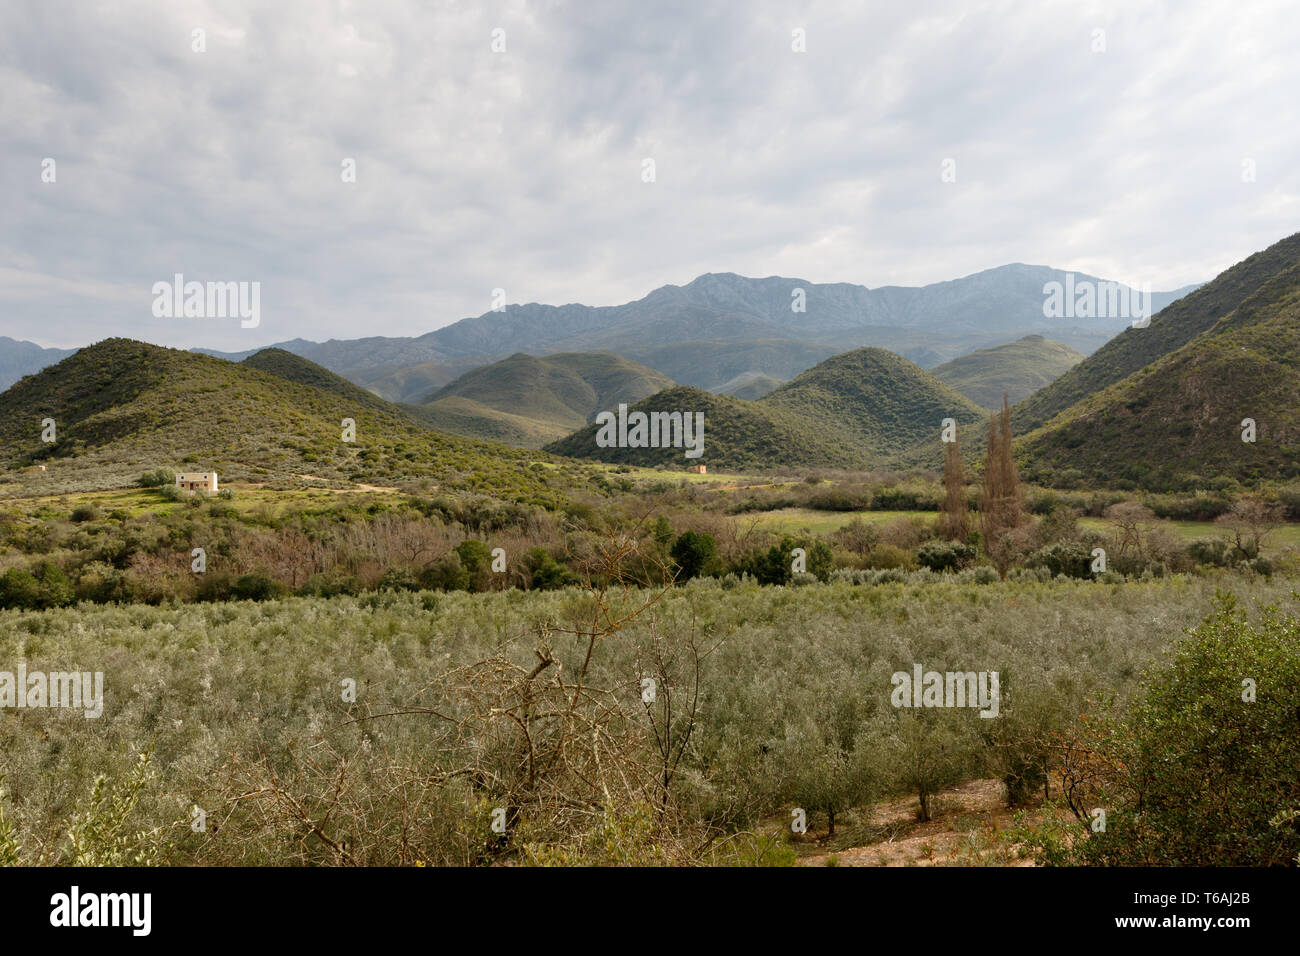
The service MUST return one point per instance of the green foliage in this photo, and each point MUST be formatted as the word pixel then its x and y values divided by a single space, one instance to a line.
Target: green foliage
pixel 47 587
pixel 157 478
pixel 1072 559
pixel 1202 770
pixel 83 513
pixel 795 673
pixel 99 832
pixel 545 572
pixel 945 555
pixel 695 554
pixel 447 573
pixel 929 751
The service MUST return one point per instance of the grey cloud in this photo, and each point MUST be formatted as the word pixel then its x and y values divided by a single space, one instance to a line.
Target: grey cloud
pixel 522 170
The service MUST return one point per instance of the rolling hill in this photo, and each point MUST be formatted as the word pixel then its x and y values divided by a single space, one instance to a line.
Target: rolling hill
pixel 122 407
pixel 1178 421
pixel 529 401
pixel 1017 369
pixel 854 410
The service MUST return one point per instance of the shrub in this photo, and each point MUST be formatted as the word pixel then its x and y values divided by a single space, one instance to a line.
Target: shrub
pixel 545 572
pixel 214 586
pixel 694 554
pixel 945 555
pixel 476 558
pixel 445 574
pixel 1199 768
pixel 19 589
pixel 257 586
pixel 399 579
pixel 1211 551
pixel 158 478
pixel 1071 560
pixel 86 512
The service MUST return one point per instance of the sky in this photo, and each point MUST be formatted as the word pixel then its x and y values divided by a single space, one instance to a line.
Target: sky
pixel 503 146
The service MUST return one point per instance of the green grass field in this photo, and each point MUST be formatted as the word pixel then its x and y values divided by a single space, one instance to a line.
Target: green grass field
pixel 796 520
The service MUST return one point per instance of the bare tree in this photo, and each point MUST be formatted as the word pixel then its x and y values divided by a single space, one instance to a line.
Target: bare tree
pixel 1250 521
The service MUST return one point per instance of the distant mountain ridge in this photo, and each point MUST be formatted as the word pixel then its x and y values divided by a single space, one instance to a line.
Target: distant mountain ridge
pixel 734 313
pixel 19 358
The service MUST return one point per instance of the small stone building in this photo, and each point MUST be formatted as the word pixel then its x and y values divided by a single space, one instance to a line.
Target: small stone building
pixel 700 469
pixel 198 481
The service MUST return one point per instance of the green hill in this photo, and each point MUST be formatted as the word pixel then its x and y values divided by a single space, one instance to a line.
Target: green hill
pixel 737 435
pixel 529 401
pixel 295 368
pixel 854 410
pixel 878 403
pixel 122 407
pixel 1171 328
pixel 1016 369
pixel 1177 423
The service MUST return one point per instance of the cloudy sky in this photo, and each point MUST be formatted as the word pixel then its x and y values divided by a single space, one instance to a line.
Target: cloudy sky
pixel 1117 139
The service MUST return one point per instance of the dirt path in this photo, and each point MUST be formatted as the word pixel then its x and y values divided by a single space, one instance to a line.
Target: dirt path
pixel 966 821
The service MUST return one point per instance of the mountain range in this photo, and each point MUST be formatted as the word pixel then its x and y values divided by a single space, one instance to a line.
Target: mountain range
pixel 721 326
pixel 1163 406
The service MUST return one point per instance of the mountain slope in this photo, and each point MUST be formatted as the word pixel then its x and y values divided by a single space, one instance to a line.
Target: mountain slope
pixel 1178 422
pixel 1171 328
pixel 854 410
pixel 1017 369
pixel 529 401
pixel 122 407
pixel 295 368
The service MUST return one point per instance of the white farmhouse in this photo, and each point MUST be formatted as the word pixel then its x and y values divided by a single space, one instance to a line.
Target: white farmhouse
pixel 198 481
